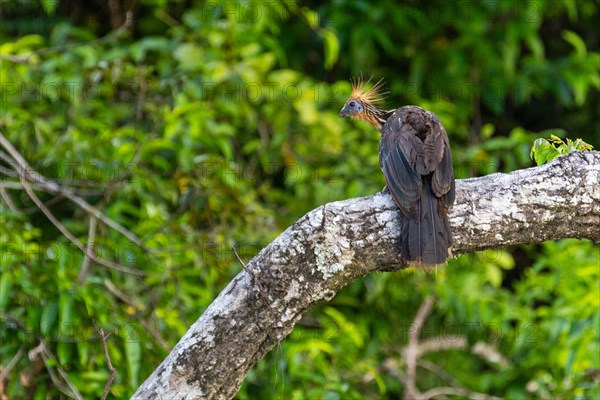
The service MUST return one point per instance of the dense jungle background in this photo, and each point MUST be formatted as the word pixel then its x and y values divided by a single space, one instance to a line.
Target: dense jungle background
pixel 202 125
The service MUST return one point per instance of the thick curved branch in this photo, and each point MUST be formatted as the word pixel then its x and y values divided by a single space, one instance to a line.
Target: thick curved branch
pixel 339 242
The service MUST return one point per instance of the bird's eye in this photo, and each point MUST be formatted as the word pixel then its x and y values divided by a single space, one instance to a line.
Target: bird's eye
pixel 352 104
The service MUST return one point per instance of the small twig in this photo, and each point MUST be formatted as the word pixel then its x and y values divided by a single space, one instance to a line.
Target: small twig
pixel 7 171
pixel 7 199
pixel 15 58
pixel 252 276
pixel 11 364
pixel 49 203
pixel 12 185
pixel 111 369
pixel 140 101
pixel 12 168
pixel 156 335
pixel 453 391
pixel 240 260
pixel 44 352
pixel 20 324
pixel 449 342
pixel 85 265
pixel 490 354
pixel 118 293
pixel 439 372
pixel 392 367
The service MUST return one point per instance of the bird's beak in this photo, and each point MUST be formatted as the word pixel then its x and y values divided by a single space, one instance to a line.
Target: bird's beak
pixel 344 112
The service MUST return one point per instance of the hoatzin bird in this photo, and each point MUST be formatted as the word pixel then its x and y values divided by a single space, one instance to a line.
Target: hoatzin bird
pixel 414 155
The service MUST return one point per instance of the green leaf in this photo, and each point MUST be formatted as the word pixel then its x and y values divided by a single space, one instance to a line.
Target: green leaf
pixel 582 146
pixel 153 43
pixel 539 145
pixel 50 6
pixel 83 350
pixel 311 17
pixel 189 56
pixel 49 320
pixel 494 275
pixel 576 42
pixel 64 351
pixel 133 354
pixel 66 327
pixel 65 302
pixel 28 41
pixel 332 47
pixel 5 288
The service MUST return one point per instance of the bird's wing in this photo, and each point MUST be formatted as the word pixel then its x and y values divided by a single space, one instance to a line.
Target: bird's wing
pixel 414 143
pixel 442 182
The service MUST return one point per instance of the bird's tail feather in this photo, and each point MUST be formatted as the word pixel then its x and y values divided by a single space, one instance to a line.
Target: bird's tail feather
pixel 426 234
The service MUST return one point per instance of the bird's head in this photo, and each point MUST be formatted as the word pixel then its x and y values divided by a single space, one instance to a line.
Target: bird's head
pixel 362 101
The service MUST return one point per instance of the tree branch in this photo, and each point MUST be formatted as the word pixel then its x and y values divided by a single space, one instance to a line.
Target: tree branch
pixel 335 244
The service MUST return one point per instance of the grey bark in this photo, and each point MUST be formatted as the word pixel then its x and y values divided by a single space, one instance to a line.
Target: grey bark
pixel 341 241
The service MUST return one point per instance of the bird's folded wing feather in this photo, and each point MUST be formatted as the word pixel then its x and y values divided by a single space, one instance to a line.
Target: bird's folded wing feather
pixel 414 143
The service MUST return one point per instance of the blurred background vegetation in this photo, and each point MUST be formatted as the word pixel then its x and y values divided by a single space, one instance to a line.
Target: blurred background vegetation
pixel 200 125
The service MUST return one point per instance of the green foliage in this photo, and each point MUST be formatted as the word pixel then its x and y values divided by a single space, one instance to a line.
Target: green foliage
pixel 544 150
pixel 213 124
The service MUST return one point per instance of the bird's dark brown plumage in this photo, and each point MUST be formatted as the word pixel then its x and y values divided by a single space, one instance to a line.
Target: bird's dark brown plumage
pixel 414 155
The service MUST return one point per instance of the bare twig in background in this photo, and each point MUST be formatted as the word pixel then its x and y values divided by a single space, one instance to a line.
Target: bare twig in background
pixel 447 342
pixel 392 367
pixel 49 203
pixel 412 351
pixel 155 333
pixel 85 265
pixel 111 369
pixel 415 349
pixel 7 199
pixel 67 388
pixel 77 186
pixel 140 308
pixel 442 392
pixel 89 188
pixel 118 293
pixel 7 171
pixel 490 354
pixel 439 372
pixel 450 343
pixel 5 372
pixel 41 352
pixel 16 58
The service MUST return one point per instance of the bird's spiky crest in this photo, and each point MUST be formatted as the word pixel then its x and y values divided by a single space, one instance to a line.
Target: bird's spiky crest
pixel 372 96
